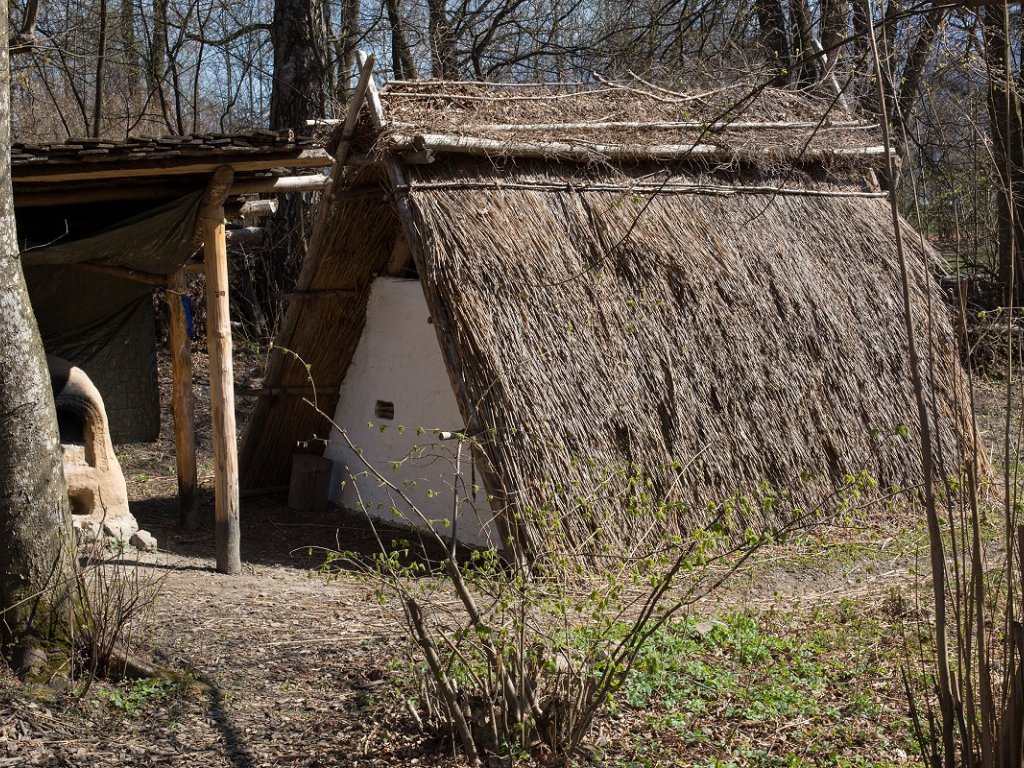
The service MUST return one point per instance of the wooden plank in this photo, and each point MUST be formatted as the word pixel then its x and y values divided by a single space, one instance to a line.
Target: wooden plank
pixel 310 158
pixel 182 403
pixel 401 255
pixel 222 386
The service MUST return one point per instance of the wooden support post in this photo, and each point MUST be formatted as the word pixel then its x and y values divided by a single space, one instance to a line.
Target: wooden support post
pixel 222 386
pixel 182 402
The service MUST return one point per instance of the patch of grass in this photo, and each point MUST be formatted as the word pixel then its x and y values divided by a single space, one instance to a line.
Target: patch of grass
pixel 138 696
pixel 766 690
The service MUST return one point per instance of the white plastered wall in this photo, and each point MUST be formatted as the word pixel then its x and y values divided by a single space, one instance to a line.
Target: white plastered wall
pixel 398 362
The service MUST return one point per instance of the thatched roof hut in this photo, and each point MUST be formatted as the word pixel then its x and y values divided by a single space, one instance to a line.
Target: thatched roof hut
pixel 701 289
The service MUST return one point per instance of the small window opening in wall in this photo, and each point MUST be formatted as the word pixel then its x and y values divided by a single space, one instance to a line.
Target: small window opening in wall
pixel 384 410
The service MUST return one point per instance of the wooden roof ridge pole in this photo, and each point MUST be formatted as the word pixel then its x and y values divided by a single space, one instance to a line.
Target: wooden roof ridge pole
pixel 582 150
pixel 325 212
pixel 222 384
pixel 400 187
pixel 182 402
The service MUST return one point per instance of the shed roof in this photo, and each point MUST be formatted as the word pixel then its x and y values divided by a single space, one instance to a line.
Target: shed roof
pixel 82 170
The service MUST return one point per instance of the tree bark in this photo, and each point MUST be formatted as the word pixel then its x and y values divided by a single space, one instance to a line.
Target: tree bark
pixel 772 21
pixel 345 47
pixel 1007 150
pixel 298 94
pixel 442 41
pixel 402 62
pixel 35 522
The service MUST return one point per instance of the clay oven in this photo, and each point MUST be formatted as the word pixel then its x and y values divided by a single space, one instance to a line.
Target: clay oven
pixel 96 487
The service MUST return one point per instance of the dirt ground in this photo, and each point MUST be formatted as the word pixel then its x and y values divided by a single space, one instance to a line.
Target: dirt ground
pixel 285 668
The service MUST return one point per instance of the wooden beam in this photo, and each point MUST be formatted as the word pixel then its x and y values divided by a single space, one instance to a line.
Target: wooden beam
pixel 183 403
pixel 246 236
pixel 401 255
pixel 309 183
pixel 175 166
pixel 222 385
pixel 254 210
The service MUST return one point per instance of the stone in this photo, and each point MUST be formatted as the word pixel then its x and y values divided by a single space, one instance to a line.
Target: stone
pixel 144 541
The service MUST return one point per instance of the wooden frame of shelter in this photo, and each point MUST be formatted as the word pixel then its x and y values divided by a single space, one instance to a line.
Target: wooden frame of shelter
pixel 49 177
pixel 487 192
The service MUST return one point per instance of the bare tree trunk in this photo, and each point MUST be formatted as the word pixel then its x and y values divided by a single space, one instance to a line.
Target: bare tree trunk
pixel 835 23
pixel 345 46
pixel 805 68
pixel 402 61
pixel 442 41
pixel 913 72
pixel 101 60
pixel 156 63
pixel 772 21
pixel 298 94
pixel 34 518
pixel 1004 115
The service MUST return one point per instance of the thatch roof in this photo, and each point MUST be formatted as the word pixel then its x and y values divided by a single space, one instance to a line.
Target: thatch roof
pixel 608 315
pixel 774 125
pixel 92 170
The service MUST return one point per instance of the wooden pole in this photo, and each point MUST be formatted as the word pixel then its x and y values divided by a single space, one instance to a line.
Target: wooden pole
pixel 222 388
pixel 183 403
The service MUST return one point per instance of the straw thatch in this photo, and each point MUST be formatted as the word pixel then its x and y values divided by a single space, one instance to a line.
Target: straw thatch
pixel 613 318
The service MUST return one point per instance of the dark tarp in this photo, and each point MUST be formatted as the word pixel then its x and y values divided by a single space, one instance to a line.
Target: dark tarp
pixel 104 324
